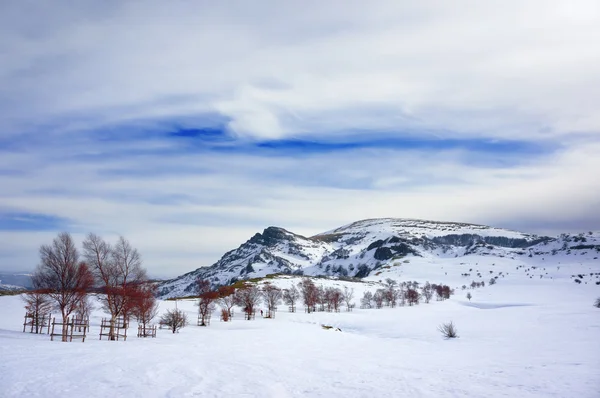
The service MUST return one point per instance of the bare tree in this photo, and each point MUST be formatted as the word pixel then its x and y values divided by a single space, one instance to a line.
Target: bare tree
pixel 206 298
pixel 412 296
pixel 321 298
pixel 402 294
pixel 247 298
pixel 469 296
pixel 272 296
pixel 84 308
pixel 446 292
pixel 427 292
pixel 332 298
pixel 347 296
pixel 439 293
pixel 367 300
pixel 174 319
pixel 391 293
pixel 145 306
pixel 37 305
pixel 379 298
pixel 60 273
pixel 290 297
pixel 226 299
pixel 310 294
pixel 119 274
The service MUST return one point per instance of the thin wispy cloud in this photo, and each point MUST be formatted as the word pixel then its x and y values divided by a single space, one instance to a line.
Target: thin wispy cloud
pixel 188 126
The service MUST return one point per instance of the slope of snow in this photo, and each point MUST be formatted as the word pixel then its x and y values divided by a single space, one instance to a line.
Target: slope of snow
pixel 387 226
pixel 522 337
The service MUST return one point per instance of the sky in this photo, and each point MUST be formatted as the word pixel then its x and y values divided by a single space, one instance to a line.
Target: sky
pixel 188 126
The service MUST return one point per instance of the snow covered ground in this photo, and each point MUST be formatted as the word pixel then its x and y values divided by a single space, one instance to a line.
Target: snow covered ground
pixel 519 338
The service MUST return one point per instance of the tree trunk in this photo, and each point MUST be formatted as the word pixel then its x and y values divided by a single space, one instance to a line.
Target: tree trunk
pixel 111 332
pixel 64 325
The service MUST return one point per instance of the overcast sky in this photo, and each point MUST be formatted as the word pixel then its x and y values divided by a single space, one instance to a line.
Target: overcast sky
pixel 187 126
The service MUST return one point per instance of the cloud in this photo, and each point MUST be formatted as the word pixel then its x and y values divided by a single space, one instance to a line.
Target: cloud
pixel 277 70
pixel 189 126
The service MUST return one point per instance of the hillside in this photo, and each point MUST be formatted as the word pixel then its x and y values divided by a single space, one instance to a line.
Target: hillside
pixel 379 248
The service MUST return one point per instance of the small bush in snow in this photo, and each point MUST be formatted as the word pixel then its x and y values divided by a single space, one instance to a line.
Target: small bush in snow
pixel 224 315
pixel 597 303
pixel 469 296
pixel 174 319
pixel 448 330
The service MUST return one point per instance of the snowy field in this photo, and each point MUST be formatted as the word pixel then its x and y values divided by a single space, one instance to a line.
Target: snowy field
pixel 516 340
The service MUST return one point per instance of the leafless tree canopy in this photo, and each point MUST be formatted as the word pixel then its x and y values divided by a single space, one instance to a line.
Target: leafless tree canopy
pixel 62 276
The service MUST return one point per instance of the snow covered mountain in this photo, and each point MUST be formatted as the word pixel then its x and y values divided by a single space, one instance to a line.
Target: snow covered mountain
pixel 360 248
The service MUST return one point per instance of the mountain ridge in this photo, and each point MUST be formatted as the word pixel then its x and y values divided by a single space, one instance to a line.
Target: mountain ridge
pixel 361 247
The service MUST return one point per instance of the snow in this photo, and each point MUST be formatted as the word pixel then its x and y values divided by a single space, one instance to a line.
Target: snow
pixel 390 226
pixel 519 338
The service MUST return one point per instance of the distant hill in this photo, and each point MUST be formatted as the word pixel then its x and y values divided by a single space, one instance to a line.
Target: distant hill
pixel 12 280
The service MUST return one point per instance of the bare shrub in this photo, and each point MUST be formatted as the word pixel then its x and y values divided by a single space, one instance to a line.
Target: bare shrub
pixel 597 303
pixel 448 330
pixel 174 319
pixel 469 296
pixel 224 315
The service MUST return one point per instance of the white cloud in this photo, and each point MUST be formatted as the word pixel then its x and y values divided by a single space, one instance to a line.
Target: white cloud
pixel 496 68
pixel 201 206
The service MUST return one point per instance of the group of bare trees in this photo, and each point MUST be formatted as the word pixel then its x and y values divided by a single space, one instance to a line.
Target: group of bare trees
pixel 330 298
pixel 394 293
pixel 63 280
pixel 249 296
